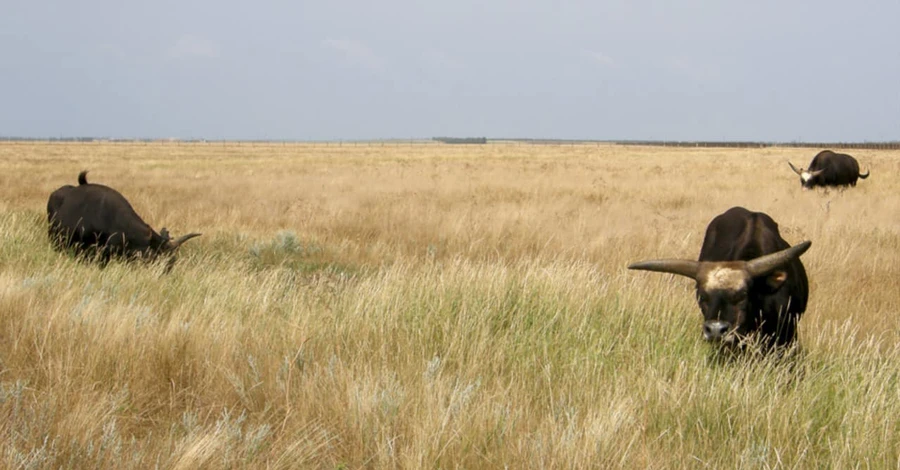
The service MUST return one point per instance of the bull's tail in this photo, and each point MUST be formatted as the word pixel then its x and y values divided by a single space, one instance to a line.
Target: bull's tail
pixel 82 177
pixel 864 176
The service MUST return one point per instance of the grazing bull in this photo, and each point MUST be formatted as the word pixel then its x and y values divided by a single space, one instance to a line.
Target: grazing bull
pixel 97 220
pixel 828 168
pixel 750 281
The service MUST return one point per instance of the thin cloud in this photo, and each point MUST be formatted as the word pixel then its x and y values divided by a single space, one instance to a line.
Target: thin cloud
pixel 356 53
pixel 439 59
pixel 599 58
pixel 693 70
pixel 111 50
pixel 189 46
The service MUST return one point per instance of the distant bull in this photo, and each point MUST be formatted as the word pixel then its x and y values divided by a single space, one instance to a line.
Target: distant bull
pixel 97 220
pixel 750 281
pixel 828 168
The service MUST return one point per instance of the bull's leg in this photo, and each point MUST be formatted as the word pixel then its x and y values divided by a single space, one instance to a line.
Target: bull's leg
pixel 56 238
pixel 787 329
pixel 103 257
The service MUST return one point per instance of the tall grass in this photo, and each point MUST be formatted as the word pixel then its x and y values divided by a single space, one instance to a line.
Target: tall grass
pixel 437 306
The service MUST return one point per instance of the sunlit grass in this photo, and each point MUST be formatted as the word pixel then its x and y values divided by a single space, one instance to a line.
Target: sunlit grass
pixel 437 306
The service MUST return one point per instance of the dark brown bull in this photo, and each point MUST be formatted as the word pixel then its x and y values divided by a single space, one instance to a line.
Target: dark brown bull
pixel 98 221
pixel 828 168
pixel 750 281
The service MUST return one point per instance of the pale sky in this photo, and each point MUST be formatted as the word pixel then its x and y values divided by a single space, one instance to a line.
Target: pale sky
pixel 303 70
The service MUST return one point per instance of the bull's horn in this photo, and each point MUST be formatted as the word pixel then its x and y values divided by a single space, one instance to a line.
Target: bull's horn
pixel 816 173
pixel 683 267
pixel 864 176
pixel 178 241
pixel 795 168
pixel 768 263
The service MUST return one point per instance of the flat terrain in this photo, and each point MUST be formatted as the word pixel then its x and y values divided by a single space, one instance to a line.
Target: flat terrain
pixel 438 306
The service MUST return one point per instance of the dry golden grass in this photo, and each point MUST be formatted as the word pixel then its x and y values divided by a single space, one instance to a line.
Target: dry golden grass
pixel 440 306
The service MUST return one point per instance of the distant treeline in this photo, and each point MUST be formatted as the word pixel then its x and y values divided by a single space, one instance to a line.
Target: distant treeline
pixel 888 145
pixel 91 139
pixel 461 140
pixel 747 144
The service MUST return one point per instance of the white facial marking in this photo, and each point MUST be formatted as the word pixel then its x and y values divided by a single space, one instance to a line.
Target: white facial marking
pixel 725 279
pixel 805 176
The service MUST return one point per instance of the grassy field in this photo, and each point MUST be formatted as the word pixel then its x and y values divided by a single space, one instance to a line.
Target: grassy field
pixel 435 306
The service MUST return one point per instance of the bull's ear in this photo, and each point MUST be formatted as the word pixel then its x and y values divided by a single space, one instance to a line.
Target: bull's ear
pixel 776 279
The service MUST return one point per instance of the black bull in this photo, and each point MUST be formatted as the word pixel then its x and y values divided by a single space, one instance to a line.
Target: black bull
pixel 828 168
pixel 750 281
pixel 97 220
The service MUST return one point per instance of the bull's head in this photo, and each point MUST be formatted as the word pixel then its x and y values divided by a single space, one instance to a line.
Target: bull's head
pixel 807 178
pixel 724 288
pixel 169 247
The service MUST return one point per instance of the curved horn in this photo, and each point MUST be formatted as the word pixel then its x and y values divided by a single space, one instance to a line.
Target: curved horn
pixel 864 176
pixel 178 241
pixel 768 263
pixel 682 267
pixel 816 173
pixel 795 168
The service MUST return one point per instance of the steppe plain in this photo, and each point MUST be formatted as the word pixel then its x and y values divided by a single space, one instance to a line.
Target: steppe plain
pixel 419 305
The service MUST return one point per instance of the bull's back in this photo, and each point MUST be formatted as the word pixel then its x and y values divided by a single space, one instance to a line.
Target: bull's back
pixel 821 161
pixel 838 168
pixel 96 211
pixel 741 235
